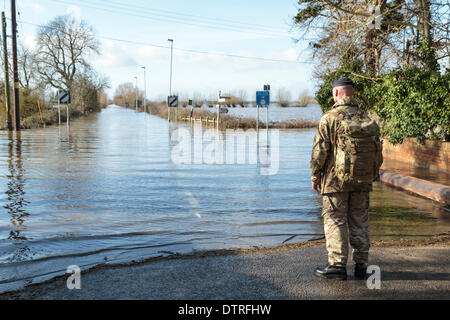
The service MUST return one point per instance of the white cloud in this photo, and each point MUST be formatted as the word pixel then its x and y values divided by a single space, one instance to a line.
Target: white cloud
pixel 114 56
pixel 30 42
pixel 148 52
pixel 289 54
pixel 37 8
pixel 74 13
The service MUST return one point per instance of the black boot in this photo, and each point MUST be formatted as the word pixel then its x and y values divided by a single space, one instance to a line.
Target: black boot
pixel 331 272
pixel 360 271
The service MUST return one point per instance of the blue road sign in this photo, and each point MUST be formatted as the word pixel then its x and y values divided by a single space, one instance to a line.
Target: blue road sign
pixel 263 98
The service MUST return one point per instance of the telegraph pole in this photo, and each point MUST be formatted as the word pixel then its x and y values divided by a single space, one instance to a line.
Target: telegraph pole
pixel 15 69
pixel 6 70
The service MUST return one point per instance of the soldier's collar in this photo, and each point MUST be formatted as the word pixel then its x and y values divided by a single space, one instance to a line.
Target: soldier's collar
pixel 346 101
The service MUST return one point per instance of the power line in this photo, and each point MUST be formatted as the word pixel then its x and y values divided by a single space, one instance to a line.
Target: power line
pixel 175 17
pixel 204 18
pixel 211 25
pixel 207 52
pixel 229 55
pixel 172 14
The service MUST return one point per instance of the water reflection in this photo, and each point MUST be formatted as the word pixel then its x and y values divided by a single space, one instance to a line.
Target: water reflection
pixel 109 188
pixel 199 145
pixel 17 204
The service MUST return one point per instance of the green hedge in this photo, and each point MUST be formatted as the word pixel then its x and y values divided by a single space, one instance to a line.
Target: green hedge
pixel 410 102
pixel 414 103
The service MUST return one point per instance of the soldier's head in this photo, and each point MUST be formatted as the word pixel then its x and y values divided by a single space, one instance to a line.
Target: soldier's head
pixel 342 87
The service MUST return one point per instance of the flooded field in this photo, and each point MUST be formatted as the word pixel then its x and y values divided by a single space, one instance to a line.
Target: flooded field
pixel 276 113
pixel 108 191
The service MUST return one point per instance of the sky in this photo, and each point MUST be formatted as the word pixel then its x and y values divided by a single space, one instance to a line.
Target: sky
pixel 135 33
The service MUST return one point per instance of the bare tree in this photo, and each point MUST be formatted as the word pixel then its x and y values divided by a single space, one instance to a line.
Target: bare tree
pixel 27 67
pixel 305 98
pixel 212 97
pixel 284 97
pixel 398 32
pixel 63 51
pixel 86 89
pixel 198 99
pixel 242 97
pixel 125 93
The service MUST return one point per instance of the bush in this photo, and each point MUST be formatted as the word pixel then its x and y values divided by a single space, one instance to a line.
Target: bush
pixel 363 90
pixel 410 102
pixel 28 103
pixel 414 103
pixel 305 98
pixel 284 97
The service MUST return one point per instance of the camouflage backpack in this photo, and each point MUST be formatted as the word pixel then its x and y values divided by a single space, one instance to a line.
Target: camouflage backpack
pixel 358 148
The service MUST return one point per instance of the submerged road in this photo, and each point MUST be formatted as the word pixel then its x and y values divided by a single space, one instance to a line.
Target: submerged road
pixel 406 273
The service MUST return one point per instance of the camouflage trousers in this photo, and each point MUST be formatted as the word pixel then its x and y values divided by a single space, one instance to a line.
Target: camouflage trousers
pixel 346 216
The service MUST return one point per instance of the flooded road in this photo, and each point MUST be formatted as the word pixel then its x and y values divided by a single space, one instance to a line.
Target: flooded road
pixel 108 191
pixel 276 113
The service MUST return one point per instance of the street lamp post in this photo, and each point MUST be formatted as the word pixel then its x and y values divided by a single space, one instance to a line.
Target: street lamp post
pixel 145 90
pixel 170 82
pixel 136 100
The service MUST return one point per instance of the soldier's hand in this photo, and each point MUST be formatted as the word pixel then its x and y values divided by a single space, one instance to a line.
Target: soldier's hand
pixel 316 187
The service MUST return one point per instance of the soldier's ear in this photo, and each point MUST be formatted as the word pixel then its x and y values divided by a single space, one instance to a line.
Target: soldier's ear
pixel 335 92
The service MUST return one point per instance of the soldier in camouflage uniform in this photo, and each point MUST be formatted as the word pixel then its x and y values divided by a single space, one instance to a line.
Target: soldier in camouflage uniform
pixel 345 160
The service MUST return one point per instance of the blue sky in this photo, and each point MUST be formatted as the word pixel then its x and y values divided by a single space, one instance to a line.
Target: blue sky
pixel 230 27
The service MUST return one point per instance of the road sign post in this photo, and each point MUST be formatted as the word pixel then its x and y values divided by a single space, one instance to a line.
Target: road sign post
pixel 63 97
pixel 172 102
pixel 263 100
pixel 218 116
pixel 257 117
pixel 59 113
pixel 220 99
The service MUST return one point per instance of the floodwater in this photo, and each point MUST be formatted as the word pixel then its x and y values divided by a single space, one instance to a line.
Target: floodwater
pixel 276 113
pixel 108 190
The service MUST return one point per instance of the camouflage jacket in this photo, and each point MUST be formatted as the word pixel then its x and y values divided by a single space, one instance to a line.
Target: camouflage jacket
pixel 322 158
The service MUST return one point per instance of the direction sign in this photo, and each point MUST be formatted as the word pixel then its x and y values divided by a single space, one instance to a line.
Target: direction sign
pixel 222 98
pixel 64 96
pixel 172 101
pixel 263 98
